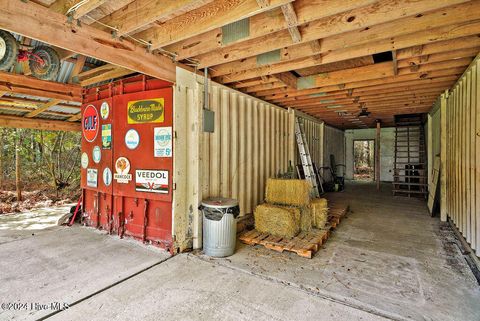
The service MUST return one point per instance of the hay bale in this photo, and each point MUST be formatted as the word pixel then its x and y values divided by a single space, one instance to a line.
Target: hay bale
pixel 306 219
pixel 319 208
pixel 277 220
pixel 293 192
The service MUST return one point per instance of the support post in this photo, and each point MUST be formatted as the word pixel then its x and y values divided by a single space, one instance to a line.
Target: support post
pixel 377 156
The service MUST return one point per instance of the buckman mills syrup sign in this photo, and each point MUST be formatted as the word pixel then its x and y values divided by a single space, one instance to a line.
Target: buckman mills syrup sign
pixel 90 123
pixel 146 111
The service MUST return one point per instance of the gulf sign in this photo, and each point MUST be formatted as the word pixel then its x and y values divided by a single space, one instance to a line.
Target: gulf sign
pixel 90 126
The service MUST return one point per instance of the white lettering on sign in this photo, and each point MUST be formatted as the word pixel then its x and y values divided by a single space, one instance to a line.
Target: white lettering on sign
pixel 151 181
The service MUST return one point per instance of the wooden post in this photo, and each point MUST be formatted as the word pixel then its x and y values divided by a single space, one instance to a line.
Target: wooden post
pixel 377 156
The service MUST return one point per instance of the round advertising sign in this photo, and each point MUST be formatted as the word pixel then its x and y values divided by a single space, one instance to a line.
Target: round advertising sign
pixel 84 160
pixel 96 154
pixel 90 124
pixel 104 110
pixel 107 176
pixel 132 139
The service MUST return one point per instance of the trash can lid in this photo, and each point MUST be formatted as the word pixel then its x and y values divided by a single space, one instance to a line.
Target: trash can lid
pixel 220 202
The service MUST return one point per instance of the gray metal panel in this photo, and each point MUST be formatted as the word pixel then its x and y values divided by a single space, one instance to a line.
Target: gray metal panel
pixel 236 31
pixel 268 57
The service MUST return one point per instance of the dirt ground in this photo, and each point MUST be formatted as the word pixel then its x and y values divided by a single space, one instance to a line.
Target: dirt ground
pixel 34 196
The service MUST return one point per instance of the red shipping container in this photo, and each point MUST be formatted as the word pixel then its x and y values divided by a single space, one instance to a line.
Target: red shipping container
pixel 127 159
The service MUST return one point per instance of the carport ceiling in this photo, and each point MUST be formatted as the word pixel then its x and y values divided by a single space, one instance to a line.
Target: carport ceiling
pixel 327 58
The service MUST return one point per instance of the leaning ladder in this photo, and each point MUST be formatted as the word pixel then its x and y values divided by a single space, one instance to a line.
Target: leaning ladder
pixel 305 157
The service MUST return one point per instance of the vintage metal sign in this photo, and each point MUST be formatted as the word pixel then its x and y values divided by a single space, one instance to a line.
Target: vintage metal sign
pixel 92 177
pixel 122 168
pixel 90 124
pixel 107 176
pixel 107 136
pixel 146 111
pixel 96 154
pixel 132 139
pixel 162 138
pixel 104 110
pixel 84 160
pixel 151 181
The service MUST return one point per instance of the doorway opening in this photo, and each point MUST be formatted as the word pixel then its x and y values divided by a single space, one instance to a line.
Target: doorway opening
pixel 364 160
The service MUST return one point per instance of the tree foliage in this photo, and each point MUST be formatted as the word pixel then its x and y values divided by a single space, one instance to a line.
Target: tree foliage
pixel 48 159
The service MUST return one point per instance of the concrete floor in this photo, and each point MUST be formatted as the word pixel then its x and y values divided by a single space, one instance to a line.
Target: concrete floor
pixel 387 260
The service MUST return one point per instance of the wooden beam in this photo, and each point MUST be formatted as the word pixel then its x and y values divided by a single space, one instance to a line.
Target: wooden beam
pixel 43 107
pixel 54 28
pixel 395 62
pixel 75 117
pixel 288 79
pixel 77 69
pixel 62 6
pixel 331 53
pixel 292 22
pixel 282 94
pixel 141 13
pixel 401 19
pixel 32 86
pixel 263 3
pixel 21 122
pixel 206 18
pixel 102 73
pixel 266 23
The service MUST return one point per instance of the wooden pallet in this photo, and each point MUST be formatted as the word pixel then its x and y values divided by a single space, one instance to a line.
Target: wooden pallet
pixel 304 244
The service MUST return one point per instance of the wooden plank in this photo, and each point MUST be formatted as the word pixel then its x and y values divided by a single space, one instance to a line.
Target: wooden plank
pixel 337 34
pixel 43 107
pixel 287 78
pixel 54 29
pixel 102 73
pixel 292 22
pixel 140 13
pixel 213 15
pixel 44 124
pixel 32 86
pixel 77 68
pixel 62 6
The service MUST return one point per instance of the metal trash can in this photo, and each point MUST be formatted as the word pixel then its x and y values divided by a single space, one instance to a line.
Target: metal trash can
pixel 219 226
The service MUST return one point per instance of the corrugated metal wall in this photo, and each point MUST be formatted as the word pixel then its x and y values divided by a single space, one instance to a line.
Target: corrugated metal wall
pixel 248 146
pixel 253 140
pixel 462 154
pixel 334 144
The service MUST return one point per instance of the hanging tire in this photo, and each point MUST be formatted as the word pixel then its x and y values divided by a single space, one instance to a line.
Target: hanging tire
pixel 51 63
pixel 8 50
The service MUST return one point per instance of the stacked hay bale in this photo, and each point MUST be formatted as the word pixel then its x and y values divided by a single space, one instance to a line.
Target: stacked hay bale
pixel 289 209
pixel 319 208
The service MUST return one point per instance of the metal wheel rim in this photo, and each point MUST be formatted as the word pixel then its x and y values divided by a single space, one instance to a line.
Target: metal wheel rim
pixel 3 48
